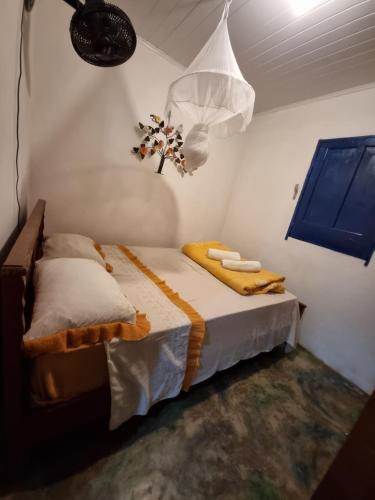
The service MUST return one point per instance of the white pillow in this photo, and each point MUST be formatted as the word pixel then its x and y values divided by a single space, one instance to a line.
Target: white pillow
pixel 71 293
pixel 62 245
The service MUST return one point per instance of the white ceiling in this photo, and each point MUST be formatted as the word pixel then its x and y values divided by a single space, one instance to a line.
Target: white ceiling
pixel 285 57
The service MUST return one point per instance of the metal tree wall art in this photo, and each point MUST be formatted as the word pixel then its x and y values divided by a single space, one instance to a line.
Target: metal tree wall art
pixel 164 140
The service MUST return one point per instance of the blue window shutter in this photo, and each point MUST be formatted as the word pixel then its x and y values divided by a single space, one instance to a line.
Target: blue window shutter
pixel 336 208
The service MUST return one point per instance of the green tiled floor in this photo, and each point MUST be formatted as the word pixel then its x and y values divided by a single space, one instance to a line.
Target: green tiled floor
pixel 266 429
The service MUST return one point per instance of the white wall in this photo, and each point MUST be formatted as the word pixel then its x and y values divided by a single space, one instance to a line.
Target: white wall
pixel 10 21
pixel 84 121
pixel 339 323
pixel 83 127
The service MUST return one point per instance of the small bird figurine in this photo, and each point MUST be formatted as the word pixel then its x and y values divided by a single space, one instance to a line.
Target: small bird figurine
pixel 156 118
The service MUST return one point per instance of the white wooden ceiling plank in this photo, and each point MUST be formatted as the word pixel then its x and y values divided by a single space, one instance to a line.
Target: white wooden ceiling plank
pixel 308 80
pixel 138 12
pixel 286 58
pixel 197 28
pixel 330 59
pixel 303 28
pixel 182 43
pixel 135 6
pixel 337 34
pixel 172 23
pixel 344 65
pixel 216 10
pixel 325 26
pixel 331 75
pixel 322 52
pixel 320 68
pixel 156 17
pixel 358 73
pixel 199 37
pixel 361 61
pixel 186 29
pixel 253 21
pixel 287 97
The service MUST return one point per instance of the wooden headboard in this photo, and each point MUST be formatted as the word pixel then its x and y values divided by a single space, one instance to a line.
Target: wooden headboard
pixel 16 302
pixel 22 424
pixel 19 266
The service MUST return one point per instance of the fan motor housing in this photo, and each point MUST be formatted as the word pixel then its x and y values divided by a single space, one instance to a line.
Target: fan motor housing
pixel 102 34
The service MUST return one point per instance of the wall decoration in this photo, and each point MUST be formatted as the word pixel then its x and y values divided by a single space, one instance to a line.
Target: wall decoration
pixel 164 140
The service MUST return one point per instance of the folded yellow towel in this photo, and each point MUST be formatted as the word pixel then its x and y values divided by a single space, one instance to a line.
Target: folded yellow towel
pixel 244 283
pixel 215 254
pixel 245 266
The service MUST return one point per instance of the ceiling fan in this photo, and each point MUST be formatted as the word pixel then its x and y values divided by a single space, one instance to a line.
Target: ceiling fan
pixel 101 33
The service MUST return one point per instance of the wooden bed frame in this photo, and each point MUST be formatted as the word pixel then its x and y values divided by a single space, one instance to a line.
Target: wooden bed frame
pixel 24 426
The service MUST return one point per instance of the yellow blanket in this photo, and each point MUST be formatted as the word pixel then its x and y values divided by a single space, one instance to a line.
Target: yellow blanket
pixel 244 283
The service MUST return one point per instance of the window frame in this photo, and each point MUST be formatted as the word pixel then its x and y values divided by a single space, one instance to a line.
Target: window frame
pixel 346 142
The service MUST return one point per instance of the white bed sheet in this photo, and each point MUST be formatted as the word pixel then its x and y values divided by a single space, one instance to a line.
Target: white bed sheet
pixel 238 327
pixel 145 372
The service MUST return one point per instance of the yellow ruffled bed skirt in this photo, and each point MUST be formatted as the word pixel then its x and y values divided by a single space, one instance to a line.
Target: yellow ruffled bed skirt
pixel 58 360
pixel 87 336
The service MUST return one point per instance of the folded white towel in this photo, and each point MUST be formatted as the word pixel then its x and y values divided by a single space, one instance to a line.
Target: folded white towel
pixel 215 254
pixel 250 266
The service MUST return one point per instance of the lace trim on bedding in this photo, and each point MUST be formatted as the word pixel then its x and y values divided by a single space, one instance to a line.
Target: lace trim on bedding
pixel 198 326
pixel 98 248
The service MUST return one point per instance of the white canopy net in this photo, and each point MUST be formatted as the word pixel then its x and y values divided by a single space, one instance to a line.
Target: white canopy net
pixel 213 93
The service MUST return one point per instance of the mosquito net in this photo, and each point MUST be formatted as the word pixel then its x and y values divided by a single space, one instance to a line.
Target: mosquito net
pixel 213 93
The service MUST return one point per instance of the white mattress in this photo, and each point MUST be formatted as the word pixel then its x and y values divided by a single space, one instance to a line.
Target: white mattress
pixel 238 327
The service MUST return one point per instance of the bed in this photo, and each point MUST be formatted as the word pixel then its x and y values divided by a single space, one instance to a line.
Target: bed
pixel 237 328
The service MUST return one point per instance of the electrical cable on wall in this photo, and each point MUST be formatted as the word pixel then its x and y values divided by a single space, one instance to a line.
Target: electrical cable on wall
pixel 102 35
pixel 18 124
